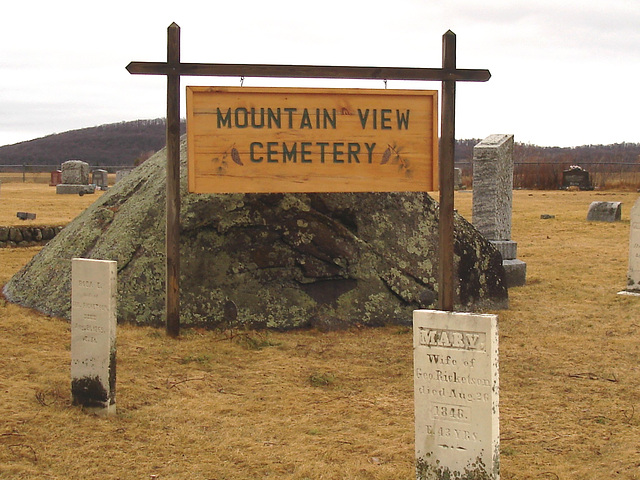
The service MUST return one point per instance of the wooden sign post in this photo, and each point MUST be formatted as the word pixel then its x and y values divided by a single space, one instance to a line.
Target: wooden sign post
pixel 174 69
pixel 446 166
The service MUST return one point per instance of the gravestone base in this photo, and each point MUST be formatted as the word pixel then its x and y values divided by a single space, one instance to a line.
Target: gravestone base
pixel 515 272
pixel 65 188
pixel 507 248
pixel 106 410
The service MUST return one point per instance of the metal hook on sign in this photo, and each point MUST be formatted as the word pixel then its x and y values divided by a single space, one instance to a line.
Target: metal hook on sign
pixel 385 83
pixel 242 81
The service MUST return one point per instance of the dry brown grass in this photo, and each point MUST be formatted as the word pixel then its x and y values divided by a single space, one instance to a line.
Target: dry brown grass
pixel 18 176
pixel 35 177
pixel 50 208
pixel 311 405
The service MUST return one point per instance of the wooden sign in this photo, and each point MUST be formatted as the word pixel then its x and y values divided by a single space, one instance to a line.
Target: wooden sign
pixel 270 140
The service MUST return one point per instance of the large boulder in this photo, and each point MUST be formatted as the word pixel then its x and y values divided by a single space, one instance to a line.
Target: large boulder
pixel 265 260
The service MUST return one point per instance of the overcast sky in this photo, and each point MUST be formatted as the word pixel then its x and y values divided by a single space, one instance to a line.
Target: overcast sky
pixel 564 72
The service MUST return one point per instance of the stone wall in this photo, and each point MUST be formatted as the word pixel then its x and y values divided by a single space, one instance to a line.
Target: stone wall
pixel 27 236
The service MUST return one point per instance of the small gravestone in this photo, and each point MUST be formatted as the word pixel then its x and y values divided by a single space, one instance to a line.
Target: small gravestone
pixel 26 216
pixel 456 395
pixel 75 178
pixel 493 199
pixel 56 178
pixel 576 176
pixel 93 334
pixel 457 179
pixel 604 212
pixel 633 274
pixel 100 178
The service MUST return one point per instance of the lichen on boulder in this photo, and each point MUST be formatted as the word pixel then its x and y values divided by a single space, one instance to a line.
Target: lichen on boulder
pixel 265 260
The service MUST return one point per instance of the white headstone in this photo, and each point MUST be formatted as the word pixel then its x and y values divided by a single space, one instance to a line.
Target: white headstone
pixel 633 276
pixel 456 395
pixel 93 334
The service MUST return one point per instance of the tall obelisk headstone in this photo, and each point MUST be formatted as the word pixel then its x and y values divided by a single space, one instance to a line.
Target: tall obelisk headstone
pixel 493 199
pixel 93 334
pixel 456 390
pixel 633 274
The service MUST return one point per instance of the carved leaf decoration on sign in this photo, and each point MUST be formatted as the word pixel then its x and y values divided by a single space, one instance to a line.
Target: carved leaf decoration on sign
pixel 393 152
pixel 220 165
pixel 386 156
pixel 235 156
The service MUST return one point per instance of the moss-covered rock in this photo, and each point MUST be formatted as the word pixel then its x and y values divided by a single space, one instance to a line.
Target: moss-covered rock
pixel 265 260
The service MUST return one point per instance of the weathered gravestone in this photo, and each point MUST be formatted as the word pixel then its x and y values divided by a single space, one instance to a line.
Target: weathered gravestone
pixel 493 199
pixel 75 178
pixel 604 212
pixel 100 178
pixel 633 275
pixel 75 172
pixel 456 392
pixel 457 179
pixel 93 334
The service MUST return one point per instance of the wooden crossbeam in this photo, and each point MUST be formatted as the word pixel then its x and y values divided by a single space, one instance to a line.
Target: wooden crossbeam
pixel 308 71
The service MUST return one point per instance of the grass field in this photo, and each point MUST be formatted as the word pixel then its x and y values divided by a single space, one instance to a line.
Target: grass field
pixel 41 199
pixel 339 405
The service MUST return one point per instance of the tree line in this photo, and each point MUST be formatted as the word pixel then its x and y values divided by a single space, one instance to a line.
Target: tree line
pixel 586 154
pixel 129 143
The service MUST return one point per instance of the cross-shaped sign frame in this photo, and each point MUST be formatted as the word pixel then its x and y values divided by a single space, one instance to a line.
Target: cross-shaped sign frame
pixel 449 74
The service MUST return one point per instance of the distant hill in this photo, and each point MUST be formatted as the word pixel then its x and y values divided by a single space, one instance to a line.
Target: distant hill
pixel 122 144
pixel 106 145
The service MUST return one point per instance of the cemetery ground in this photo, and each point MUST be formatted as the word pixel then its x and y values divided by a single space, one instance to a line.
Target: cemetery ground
pixel 308 404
